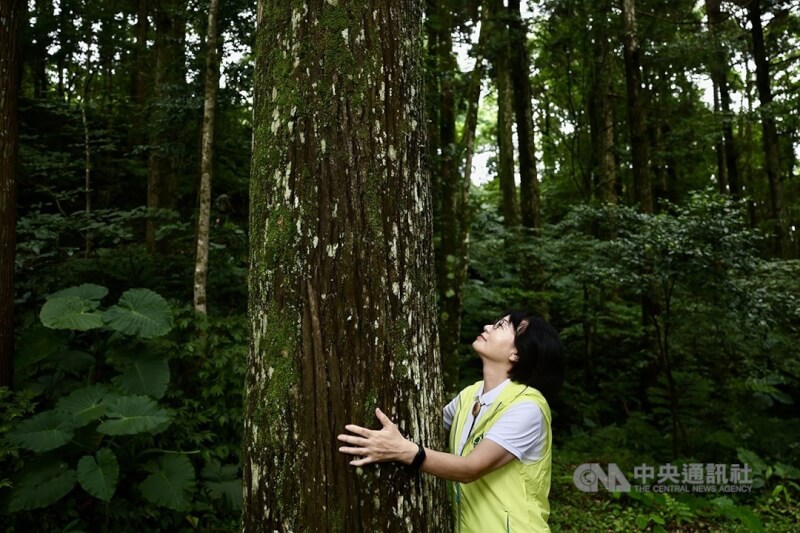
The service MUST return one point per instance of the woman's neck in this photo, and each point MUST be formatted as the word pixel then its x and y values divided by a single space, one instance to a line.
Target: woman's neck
pixel 493 376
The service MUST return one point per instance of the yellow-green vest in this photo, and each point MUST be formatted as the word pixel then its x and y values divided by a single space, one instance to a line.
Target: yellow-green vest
pixel 513 497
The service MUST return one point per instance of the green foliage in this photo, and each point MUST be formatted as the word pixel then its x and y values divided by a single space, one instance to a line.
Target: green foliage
pixel 43 432
pixel 71 312
pixel 42 484
pixel 170 483
pixel 99 433
pixel 140 312
pixel 98 475
pixel 128 415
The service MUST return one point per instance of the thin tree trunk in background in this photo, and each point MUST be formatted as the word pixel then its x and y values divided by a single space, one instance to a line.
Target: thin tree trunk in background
pixel 448 255
pixel 601 109
pixel 87 151
pixel 505 113
pixel 719 147
pixel 769 135
pixel 523 110
pixel 342 280
pixel 642 188
pixel 719 68
pixel 204 217
pixel 39 53
pixel 165 158
pixel 139 85
pixel 10 14
pixel 467 142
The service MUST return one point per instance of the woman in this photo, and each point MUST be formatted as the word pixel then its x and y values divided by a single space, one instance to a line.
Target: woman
pixel 500 440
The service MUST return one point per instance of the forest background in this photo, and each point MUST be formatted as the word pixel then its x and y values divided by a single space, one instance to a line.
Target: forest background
pixel 636 182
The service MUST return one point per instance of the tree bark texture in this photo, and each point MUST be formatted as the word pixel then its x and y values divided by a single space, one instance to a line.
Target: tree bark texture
pixel 769 131
pixel 642 188
pixel 10 13
pixel 530 209
pixel 204 216
pixel 342 296
pixel 166 158
pixel 505 112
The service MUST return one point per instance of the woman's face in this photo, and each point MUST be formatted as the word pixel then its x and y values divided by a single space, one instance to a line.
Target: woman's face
pixel 497 341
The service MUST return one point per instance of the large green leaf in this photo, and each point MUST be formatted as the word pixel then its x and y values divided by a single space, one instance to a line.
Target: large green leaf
pixel 145 375
pixel 171 482
pixel 85 404
pixel 98 475
pixel 140 312
pixel 71 312
pixel 87 291
pixel 43 432
pixel 42 485
pixel 134 414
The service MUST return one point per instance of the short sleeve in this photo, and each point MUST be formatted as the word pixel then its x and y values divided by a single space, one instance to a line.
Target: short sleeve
pixel 449 412
pixel 521 431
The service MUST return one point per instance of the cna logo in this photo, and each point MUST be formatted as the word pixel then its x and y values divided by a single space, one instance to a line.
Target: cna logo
pixel 588 476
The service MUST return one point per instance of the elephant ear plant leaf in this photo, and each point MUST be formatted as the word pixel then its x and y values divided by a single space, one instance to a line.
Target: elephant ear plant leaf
pixel 41 484
pixel 43 432
pixel 71 312
pixel 85 404
pixel 140 312
pixel 170 483
pixel 98 474
pixel 128 415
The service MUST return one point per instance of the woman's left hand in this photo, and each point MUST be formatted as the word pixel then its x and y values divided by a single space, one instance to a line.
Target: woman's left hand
pixel 375 446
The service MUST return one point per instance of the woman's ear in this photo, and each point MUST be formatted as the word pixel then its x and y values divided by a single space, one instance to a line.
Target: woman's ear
pixel 514 357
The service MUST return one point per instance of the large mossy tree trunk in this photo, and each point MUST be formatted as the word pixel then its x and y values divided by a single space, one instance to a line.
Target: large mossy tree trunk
pixel 342 296
pixel 10 13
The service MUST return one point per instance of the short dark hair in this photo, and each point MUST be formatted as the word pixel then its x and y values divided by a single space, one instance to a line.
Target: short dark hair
pixel 540 354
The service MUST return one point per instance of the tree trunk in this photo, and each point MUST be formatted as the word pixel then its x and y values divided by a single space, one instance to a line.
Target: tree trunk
pixel 601 113
pixel 505 113
pixel 204 217
pixel 642 188
pixel 719 69
pixel 10 13
pixel 523 110
pixel 39 51
pixel 719 147
pixel 88 74
pixel 448 255
pixel 165 161
pixel 139 85
pixel 341 280
pixel 769 130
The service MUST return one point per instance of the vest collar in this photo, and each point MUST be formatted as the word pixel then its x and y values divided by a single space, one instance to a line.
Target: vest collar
pixel 491 396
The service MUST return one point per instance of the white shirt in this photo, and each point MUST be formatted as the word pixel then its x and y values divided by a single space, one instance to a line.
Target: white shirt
pixel 520 430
